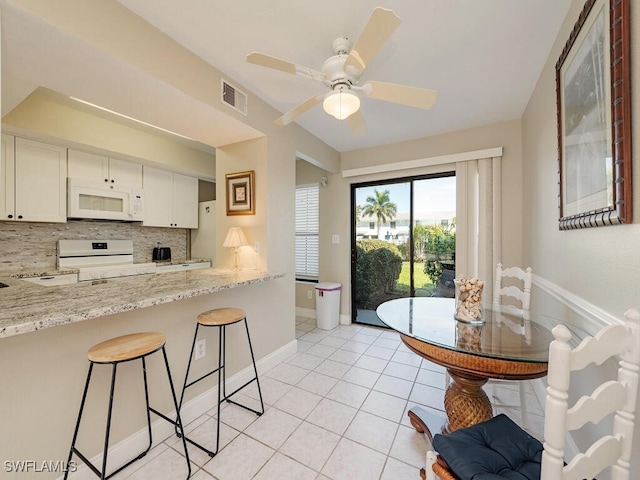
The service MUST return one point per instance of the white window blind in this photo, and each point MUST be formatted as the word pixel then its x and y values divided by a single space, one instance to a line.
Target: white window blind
pixel 307 226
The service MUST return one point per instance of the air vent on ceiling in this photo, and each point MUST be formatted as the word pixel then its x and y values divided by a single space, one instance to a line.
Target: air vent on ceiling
pixel 233 97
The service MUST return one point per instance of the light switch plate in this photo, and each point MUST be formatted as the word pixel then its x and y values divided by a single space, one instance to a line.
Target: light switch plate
pixel 335 238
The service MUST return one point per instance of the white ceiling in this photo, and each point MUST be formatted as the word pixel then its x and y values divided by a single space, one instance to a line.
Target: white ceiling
pixel 483 57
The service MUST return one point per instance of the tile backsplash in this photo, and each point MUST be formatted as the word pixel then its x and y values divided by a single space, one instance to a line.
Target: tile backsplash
pixel 26 246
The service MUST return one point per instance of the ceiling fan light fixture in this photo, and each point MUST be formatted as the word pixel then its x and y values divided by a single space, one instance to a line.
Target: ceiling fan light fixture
pixel 341 104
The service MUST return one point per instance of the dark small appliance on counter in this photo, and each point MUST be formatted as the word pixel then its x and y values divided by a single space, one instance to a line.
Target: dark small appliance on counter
pixel 161 254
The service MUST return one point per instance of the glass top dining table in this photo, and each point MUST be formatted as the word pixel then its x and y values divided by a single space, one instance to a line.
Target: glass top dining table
pixel 507 333
pixel 509 344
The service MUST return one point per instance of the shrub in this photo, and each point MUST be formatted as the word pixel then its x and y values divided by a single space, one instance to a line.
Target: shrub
pixel 377 269
pixel 439 249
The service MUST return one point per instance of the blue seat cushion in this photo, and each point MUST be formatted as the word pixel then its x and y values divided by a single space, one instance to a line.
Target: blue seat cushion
pixel 491 450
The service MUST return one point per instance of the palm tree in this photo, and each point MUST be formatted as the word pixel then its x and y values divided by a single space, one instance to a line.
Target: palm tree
pixel 380 206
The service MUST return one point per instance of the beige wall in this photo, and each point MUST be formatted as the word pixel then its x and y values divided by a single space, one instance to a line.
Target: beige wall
pixel 600 265
pixel 335 212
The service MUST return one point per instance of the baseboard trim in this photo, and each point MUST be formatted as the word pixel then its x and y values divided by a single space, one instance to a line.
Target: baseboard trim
pixel 310 313
pixel 120 453
pixel 306 312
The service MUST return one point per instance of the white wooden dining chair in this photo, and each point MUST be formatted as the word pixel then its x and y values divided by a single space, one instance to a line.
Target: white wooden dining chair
pixel 617 396
pixel 515 293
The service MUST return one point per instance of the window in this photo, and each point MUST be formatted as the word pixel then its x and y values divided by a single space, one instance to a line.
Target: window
pixel 392 225
pixel 307 235
pixel 372 225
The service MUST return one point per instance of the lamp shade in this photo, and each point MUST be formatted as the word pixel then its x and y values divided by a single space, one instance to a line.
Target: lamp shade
pixel 235 238
pixel 341 104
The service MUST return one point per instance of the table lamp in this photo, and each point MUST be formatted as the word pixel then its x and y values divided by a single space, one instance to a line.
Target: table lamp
pixel 235 239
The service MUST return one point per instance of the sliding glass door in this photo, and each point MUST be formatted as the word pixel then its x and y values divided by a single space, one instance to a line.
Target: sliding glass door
pixel 403 241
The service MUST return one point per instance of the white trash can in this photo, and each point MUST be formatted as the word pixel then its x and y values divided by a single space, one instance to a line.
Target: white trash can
pixel 328 304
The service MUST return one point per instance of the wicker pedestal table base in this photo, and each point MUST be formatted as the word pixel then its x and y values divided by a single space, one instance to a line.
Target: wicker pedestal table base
pixel 465 401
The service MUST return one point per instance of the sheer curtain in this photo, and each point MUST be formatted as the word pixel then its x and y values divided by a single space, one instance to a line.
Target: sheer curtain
pixel 479 219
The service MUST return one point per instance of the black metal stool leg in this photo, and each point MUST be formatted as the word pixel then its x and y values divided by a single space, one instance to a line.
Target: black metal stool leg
pixel 222 393
pixel 103 476
pixel 75 432
pixel 186 375
pixel 146 399
pixel 187 384
pixel 178 418
pixel 100 354
pixel 255 369
pixel 223 358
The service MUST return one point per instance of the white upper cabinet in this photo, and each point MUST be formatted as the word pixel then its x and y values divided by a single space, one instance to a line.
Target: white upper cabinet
pixel 100 169
pixel 185 201
pixel 33 181
pixel 170 199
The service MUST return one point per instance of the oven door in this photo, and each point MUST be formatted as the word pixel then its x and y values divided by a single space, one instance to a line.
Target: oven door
pixel 100 203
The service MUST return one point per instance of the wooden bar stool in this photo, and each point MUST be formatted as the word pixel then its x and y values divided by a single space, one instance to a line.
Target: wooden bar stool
pixel 221 318
pixel 116 351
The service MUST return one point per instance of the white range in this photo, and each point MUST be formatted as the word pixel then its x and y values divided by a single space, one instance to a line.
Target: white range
pixel 101 259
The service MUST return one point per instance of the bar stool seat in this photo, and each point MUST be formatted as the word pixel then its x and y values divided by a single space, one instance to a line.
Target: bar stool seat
pixel 126 347
pixel 221 318
pixel 114 352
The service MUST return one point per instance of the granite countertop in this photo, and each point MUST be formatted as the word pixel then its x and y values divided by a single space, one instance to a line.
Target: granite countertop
pixel 67 271
pixel 26 307
pixel 183 262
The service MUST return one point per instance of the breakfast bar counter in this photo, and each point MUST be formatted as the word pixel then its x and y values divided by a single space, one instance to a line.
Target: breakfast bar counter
pixel 27 307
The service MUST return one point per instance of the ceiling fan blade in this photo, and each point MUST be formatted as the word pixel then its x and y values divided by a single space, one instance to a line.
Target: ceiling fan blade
pixel 284 66
pixel 298 110
pixel 380 26
pixel 356 124
pixel 391 92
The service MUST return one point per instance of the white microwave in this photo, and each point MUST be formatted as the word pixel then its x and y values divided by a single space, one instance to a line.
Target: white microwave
pixel 97 201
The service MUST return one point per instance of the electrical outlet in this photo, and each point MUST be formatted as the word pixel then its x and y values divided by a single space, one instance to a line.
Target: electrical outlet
pixel 309 295
pixel 201 348
pixel 335 238
pixel 256 247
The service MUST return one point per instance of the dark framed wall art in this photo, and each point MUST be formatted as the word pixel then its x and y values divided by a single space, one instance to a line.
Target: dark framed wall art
pixel 594 118
pixel 240 193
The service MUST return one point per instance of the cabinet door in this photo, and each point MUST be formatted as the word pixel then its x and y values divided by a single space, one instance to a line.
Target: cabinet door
pixel 7 179
pixel 88 166
pixel 157 197
pixel 41 177
pixel 123 173
pixel 185 201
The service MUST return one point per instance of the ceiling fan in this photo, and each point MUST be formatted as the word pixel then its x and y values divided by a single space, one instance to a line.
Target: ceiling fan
pixel 341 73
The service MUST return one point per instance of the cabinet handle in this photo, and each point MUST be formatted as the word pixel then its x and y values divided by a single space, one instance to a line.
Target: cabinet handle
pixel 10 216
pixel 112 181
pixel 106 179
pixel 19 217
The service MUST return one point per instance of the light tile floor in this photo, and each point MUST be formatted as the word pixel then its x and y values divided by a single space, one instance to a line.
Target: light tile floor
pixel 335 410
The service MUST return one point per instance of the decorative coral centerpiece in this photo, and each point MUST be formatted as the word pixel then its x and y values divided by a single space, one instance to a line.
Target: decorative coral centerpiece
pixel 468 299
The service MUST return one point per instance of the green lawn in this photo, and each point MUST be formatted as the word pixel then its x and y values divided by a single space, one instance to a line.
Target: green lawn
pixel 422 282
